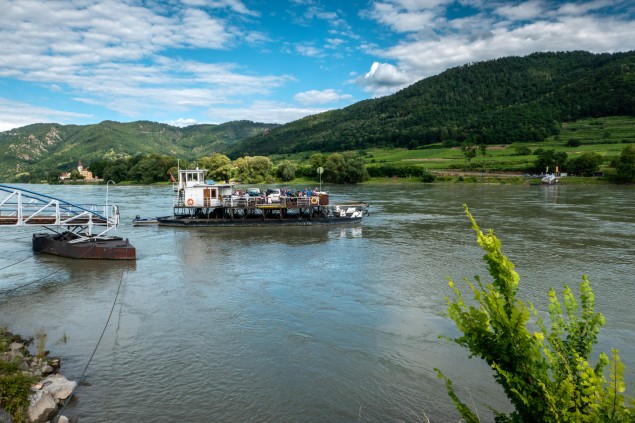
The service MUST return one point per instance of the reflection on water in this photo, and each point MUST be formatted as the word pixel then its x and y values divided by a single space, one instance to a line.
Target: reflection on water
pixel 309 323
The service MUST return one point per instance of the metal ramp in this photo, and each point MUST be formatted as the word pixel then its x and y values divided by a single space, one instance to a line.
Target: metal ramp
pixel 21 207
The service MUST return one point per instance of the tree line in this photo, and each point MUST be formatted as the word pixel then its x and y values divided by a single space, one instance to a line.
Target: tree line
pixel 345 167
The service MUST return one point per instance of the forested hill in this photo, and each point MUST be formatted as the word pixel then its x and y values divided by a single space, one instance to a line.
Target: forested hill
pixel 498 101
pixel 49 146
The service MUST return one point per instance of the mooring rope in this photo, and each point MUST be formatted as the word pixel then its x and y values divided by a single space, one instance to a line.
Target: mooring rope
pixel 81 378
pixel 17 262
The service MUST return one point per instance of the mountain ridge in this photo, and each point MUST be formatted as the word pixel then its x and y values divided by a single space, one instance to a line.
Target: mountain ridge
pixel 498 101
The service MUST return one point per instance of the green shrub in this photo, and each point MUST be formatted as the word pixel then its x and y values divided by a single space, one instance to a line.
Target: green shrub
pixel 546 374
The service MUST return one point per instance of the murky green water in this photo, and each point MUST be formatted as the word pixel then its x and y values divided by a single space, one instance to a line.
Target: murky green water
pixel 308 324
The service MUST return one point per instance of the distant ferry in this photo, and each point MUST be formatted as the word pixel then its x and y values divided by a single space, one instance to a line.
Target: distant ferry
pixel 205 203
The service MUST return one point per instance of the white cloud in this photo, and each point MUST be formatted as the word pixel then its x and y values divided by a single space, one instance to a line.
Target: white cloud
pixel 183 122
pixel 14 114
pixel 320 97
pixel 308 50
pixel 580 8
pixel 402 19
pixel 523 11
pixel 262 111
pixel 235 5
pixel 383 78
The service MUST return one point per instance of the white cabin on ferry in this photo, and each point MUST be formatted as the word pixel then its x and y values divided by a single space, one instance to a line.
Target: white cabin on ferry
pixel 195 192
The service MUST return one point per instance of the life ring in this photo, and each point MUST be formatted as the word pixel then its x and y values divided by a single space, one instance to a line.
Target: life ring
pixel 315 200
pixel 190 202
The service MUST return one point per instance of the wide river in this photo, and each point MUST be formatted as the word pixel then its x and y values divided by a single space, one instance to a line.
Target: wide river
pixel 309 324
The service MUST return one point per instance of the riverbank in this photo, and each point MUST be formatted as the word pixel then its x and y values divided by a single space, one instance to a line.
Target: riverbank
pixel 31 387
pixel 458 177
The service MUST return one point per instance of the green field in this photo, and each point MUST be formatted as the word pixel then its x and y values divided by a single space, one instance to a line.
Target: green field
pixel 604 136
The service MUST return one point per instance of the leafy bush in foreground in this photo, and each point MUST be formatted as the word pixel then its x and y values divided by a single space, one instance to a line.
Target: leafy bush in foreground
pixel 545 374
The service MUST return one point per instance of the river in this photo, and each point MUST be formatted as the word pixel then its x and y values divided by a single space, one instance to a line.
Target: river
pixel 306 323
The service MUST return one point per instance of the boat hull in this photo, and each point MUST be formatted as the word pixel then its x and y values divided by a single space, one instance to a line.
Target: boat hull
pixel 202 222
pixel 111 248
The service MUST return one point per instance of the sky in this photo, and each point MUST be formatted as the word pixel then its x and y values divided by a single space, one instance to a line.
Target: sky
pixel 185 62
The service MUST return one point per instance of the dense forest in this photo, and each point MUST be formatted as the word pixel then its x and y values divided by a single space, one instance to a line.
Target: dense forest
pixel 495 102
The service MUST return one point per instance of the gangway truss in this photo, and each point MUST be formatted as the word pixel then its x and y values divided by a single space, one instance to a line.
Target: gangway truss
pixel 22 207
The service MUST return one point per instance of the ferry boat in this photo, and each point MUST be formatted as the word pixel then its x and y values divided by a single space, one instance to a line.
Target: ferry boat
pixel 199 202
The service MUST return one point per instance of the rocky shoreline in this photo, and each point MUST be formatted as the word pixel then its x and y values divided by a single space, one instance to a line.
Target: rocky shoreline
pixel 50 389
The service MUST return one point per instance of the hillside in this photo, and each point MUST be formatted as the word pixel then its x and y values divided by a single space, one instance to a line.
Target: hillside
pixel 48 146
pixel 513 99
pixel 503 101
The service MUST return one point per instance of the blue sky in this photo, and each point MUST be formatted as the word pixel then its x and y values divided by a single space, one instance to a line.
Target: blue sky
pixel 185 62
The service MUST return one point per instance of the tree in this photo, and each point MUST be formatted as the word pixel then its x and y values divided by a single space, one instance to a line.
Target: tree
pixel 483 149
pixel 116 171
pixel 626 164
pixel 253 169
pixel 260 168
pixel 546 373
pixel 469 150
pixel 550 159
pixel 345 168
pixel 286 170
pixel 585 164
pixel 316 160
pixel 522 150
pixel 53 177
pixel 75 175
pixel 218 166
pixel 153 168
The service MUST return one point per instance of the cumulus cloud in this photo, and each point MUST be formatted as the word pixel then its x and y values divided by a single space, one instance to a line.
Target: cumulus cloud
pixel 320 97
pixel 183 122
pixel 383 78
pixel 262 111
pixel 523 11
pixel 402 16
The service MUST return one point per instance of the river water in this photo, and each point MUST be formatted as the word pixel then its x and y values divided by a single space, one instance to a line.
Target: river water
pixel 306 323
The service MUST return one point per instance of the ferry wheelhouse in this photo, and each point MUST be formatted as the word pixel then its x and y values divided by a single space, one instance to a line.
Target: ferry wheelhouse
pixel 201 202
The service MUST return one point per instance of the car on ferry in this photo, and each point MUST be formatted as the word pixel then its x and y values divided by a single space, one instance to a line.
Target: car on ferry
pixel 254 192
pixel 273 195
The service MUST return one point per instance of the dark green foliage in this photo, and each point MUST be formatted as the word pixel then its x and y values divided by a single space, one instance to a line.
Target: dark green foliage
pixel 495 102
pixel 469 150
pixel 117 171
pixel 152 168
pixel 390 170
pixel 585 164
pixel 626 164
pixel 522 150
pixel 345 168
pixel 574 143
pixel 549 159
pixel 546 373
pixel 286 170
